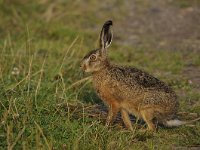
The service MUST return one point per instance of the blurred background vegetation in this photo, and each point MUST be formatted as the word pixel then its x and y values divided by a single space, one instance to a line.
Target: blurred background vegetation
pixel 42 104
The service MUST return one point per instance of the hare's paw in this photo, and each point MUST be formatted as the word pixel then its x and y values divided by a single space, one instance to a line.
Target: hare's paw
pixel 148 117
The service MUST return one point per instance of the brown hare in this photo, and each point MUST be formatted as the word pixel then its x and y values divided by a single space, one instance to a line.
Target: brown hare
pixel 130 90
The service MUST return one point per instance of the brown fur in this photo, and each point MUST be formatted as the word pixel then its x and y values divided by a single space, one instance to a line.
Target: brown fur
pixel 129 90
pixel 120 89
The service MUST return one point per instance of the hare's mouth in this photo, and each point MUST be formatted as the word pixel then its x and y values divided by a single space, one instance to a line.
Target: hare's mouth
pixel 83 67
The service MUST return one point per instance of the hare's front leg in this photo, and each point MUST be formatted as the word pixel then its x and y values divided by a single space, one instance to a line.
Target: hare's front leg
pixel 126 119
pixel 148 117
pixel 112 113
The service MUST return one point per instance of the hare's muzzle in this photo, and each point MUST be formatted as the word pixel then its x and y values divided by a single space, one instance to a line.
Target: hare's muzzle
pixel 83 66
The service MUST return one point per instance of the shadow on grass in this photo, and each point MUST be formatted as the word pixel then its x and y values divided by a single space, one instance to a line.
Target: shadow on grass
pixel 88 95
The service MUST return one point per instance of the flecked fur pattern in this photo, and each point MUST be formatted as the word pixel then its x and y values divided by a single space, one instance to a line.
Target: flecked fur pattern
pixel 129 90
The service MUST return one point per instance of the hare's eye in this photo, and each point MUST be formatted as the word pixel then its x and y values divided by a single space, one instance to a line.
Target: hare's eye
pixel 93 57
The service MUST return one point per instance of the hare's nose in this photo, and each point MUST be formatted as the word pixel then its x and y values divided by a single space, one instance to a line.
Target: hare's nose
pixel 83 66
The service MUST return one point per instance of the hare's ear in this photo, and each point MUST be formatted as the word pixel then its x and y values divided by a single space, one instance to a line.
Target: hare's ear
pixel 106 35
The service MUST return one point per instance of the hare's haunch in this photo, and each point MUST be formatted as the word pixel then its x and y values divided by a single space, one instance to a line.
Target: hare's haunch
pixel 130 90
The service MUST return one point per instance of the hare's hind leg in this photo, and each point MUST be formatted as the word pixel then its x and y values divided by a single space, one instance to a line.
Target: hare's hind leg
pixel 148 116
pixel 112 113
pixel 126 119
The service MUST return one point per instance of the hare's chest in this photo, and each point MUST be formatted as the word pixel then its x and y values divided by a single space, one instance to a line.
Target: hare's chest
pixel 107 91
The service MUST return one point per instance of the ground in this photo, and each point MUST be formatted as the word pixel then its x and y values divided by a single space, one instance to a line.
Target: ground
pixel 46 102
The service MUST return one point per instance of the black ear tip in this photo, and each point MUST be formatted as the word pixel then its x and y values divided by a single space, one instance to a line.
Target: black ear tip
pixel 108 23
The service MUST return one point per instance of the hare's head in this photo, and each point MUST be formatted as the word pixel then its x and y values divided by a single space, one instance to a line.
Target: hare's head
pixel 96 59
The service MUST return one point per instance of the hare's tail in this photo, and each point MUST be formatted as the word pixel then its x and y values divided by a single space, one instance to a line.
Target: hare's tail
pixel 176 122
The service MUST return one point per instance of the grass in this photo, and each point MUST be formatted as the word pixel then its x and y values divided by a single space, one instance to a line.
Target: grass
pixel 45 100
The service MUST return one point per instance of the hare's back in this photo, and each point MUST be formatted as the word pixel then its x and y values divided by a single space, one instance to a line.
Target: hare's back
pixel 136 78
pixel 138 86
